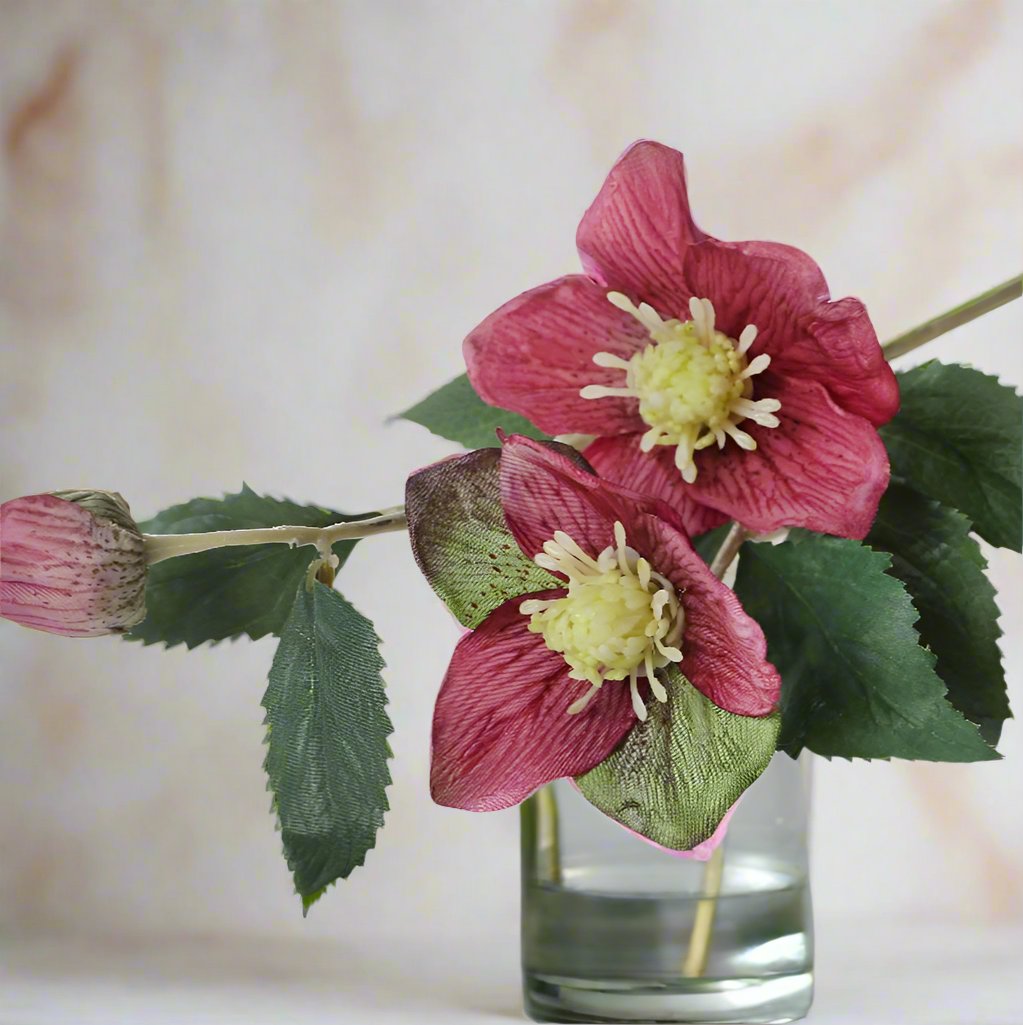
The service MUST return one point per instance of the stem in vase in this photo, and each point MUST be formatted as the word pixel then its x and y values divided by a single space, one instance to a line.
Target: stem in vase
pixel 695 962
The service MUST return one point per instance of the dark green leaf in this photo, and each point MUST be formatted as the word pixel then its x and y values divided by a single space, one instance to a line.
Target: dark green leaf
pixel 457 413
pixel 941 565
pixel 957 439
pixel 856 683
pixel 677 773
pixel 327 731
pixel 460 540
pixel 227 592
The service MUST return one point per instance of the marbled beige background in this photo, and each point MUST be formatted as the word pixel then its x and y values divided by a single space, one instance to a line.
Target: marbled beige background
pixel 236 236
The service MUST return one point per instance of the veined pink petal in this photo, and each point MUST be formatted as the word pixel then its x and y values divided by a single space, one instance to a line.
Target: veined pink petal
pixel 64 571
pixel 634 236
pixel 501 727
pixel 543 491
pixel 840 349
pixel 822 468
pixel 535 354
pixel 651 473
pixel 782 292
pixel 802 271
pixel 724 653
pixel 750 288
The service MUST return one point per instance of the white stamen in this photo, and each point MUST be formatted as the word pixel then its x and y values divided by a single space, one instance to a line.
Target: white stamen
pixel 747 338
pixel 580 703
pixel 637 702
pixel 643 572
pixel 610 360
pixel 649 317
pixel 570 546
pixel 670 653
pixel 658 689
pixel 650 439
pixel 644 313
pixel 708 309
pixel 599 391
pixel 757 365
pixel 544 561
pixel 740 437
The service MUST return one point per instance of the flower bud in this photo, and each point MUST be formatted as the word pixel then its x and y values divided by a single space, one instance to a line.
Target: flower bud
pixel 72 563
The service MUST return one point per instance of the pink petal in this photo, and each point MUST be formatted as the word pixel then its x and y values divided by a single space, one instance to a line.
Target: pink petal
pixel 840 349
pixel 65 572
pixel 801 269
pixel 782 292
pixel 724 653
pixel 822 468
pixel 501 728
pixel 750 288
pixel 634 236
pixel 535 354
pixel 543 491
pixel 652 473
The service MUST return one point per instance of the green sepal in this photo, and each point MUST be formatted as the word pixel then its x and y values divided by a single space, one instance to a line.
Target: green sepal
pixel 461 541
pixel 856 682
pixel 105 505
pixel 942 567
pixel 457 413
pixel 956 439
pixel 327 730
pixel 229 592
pixel 677 773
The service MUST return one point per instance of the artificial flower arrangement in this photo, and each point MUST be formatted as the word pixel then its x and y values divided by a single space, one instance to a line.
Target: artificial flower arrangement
pixel 632 430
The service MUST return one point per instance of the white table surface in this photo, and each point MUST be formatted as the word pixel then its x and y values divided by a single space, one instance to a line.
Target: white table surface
pixel 867 974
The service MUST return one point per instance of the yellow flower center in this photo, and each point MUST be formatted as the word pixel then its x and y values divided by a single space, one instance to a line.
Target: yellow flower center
pixel 694 384
pixel 619 620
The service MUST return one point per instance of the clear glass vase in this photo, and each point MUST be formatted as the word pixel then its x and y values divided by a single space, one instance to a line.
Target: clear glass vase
pixel 617 930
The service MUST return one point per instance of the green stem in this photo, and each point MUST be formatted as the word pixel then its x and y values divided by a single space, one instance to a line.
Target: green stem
pixel 170 546
pixel 945 322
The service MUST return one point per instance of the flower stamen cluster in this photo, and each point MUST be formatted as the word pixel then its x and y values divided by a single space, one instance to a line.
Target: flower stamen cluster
pixel 694 384
pixel 619 620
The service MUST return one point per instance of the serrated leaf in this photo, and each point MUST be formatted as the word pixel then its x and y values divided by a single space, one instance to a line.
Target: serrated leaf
pixel 942 567
pixel 327 730
pixel 461 541
pixel 227 592
pixel 676 774
pixel 957 439
pixel 856 683
pixel 457 413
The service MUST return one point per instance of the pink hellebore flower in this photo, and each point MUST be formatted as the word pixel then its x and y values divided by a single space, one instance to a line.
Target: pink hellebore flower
pixel 718 376
pixel 72 563
pixel 551 681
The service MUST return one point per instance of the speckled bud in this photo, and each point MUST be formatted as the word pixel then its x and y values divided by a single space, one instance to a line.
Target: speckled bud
pixel 72 563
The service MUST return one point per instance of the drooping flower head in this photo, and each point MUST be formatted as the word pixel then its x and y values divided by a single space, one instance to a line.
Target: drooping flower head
pixel 72 563
pixel 718 376
pixel 586 601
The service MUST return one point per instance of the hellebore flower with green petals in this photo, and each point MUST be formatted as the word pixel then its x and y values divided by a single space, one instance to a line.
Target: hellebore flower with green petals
pixel 718 376
pixel 585 599
pixel 72 563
